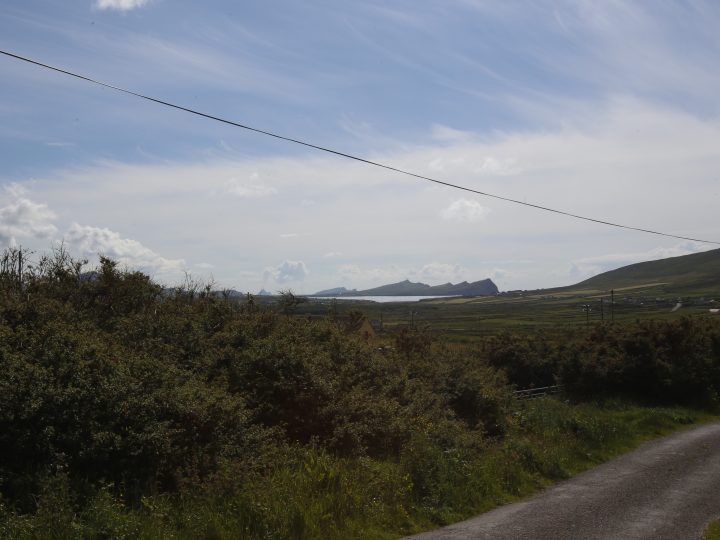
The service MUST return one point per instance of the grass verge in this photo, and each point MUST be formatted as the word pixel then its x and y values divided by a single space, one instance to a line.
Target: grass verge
pixel 712 532
pixel 316 495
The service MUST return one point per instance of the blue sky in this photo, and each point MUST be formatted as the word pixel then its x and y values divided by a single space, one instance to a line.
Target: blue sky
pixel 607 109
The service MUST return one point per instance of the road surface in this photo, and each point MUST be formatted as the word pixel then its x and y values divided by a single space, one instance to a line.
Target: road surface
pixel 666 489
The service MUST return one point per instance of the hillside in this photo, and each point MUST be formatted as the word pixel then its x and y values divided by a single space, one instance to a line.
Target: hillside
pixel 408 288
pixel 696 272
pixel 337 291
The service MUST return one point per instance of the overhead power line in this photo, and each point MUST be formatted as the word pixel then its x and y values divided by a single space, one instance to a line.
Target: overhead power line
pixel 348 156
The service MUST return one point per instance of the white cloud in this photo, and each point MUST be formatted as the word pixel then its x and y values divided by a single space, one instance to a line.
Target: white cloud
pixel 333 255
pixel 435 272
pixel 287 271
pixel 24 218
pixel 289 235
pixel 250 189
pixel 101 241
pixel 464 211
pixel 454 163
pixel 452 135
pixel 661 161
pixel 120 5
pixel 491 165
pixel 59 144
pixel 355 276
pixel 204 265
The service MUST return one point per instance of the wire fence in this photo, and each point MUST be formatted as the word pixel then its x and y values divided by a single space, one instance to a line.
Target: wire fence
pixel 534 393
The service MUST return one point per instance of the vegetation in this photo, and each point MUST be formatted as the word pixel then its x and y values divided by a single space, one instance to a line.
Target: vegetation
pixel 552 313
pixel 694 272
pixel 128 410
pixel 712 532
pixel 644 291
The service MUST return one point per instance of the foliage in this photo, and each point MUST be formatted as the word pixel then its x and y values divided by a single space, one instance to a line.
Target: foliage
pixel 128 410
pixel 653 361
pixel 113 389
pixel 289 302
pixel 712 532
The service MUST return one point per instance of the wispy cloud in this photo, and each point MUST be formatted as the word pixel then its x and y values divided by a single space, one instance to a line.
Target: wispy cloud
pixel 120 5
pixel 251 189
pixel 436 272
pixel 58 144
pixel 625 150
pixel 433 273
pixel 448 134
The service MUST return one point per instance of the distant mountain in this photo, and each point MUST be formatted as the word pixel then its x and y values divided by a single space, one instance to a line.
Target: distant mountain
pixel 92 275
pixel 337 291
pixel 231 293
pixel 408 288
pixel 263 292
pixel 695 272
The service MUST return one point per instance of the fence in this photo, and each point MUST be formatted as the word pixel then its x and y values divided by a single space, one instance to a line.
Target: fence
pixel 533 393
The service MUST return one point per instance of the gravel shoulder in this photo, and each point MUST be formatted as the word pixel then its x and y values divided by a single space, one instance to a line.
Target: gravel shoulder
pixel 668 488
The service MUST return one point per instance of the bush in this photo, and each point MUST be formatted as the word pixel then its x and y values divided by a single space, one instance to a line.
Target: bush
pixel 132 392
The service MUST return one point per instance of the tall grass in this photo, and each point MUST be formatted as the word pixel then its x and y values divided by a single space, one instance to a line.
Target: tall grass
pixel 317 495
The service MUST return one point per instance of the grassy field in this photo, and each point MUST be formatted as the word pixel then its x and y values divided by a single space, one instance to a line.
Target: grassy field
pixel 467 319
pixel 642 291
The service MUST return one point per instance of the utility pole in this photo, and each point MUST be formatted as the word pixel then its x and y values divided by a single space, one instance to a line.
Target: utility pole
pixel 20 268
pixel 586 307
pixel 602 309
pixel 612 305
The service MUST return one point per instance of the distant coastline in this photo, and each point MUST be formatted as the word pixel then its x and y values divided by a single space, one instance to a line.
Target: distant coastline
pixel 381 299
pixel 408 288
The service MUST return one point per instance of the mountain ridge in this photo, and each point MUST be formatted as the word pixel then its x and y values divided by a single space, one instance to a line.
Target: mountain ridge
pixel 406 287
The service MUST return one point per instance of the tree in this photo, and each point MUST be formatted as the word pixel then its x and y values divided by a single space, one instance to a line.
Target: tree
pixel 289 302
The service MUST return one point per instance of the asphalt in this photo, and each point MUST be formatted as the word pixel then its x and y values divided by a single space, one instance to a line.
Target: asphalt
pixel 668 488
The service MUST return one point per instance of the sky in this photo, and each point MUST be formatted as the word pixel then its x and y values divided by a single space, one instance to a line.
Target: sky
pixel 605 109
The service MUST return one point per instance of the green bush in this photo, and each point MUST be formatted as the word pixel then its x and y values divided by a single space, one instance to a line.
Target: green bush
pixel 132 392
pixel 128 410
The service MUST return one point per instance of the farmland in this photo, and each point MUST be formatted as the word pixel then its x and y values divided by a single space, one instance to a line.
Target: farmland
pixel 639 292
pixel 463 320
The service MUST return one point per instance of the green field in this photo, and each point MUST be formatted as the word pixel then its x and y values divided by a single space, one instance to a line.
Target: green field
pixel 643 291
pixel 466 319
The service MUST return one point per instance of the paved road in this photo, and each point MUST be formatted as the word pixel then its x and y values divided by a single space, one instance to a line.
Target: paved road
pixel 666 489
